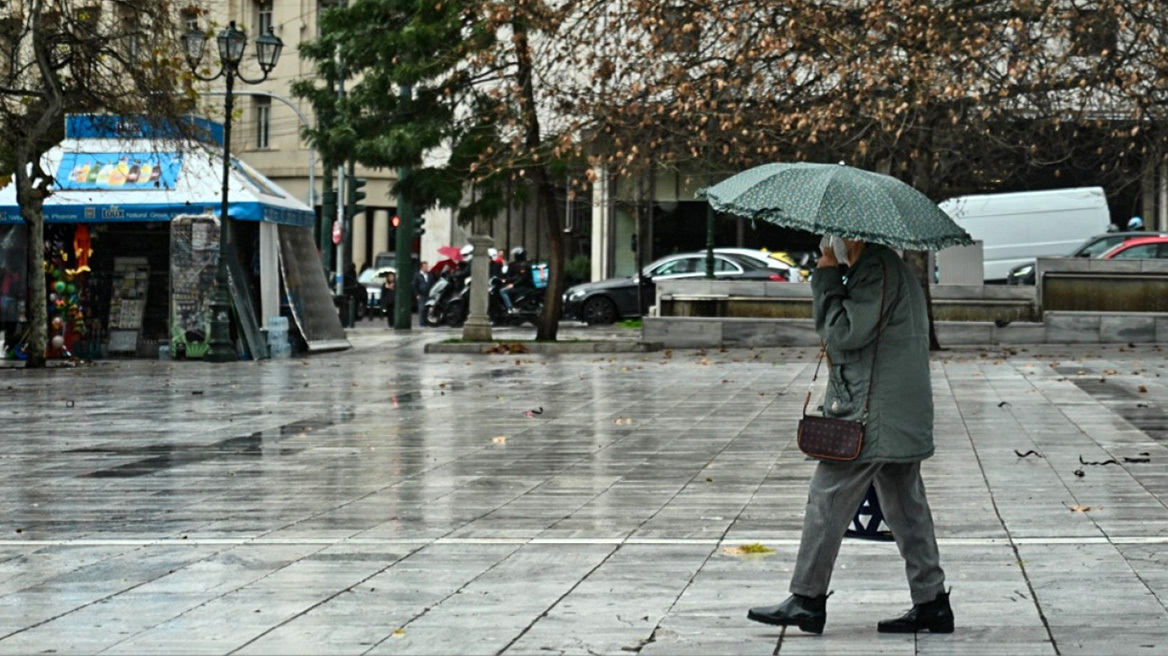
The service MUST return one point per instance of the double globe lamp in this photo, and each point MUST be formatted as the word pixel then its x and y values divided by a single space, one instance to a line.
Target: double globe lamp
pixel 232 42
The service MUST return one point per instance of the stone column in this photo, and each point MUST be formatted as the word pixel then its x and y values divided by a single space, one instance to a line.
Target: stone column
pixel 380 232
pixel 478 325
pixel 359 243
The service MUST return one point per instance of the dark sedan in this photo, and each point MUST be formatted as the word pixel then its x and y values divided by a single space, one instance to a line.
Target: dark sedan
pixel 606 301
pixel 1025 274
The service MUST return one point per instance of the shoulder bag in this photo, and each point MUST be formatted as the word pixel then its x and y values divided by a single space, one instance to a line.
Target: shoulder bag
pixel 830 438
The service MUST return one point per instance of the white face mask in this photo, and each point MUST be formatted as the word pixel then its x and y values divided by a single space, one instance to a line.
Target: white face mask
pixel 837 246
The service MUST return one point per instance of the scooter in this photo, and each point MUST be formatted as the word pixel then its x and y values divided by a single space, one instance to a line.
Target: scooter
pixel 445 304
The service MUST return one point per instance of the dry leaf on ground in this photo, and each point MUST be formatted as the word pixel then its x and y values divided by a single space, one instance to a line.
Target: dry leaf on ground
pixel 752 549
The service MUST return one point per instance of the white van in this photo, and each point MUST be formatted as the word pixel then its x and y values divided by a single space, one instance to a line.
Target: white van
pixel 1015 228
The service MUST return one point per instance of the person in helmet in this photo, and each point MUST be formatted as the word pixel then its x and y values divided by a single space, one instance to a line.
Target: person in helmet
pixel 517 278
pixel 495 263
pixel 1136 223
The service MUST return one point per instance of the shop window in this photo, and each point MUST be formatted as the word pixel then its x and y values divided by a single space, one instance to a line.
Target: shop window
pixel 263 121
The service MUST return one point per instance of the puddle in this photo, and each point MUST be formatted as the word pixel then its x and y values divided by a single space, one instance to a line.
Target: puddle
pixel 159 457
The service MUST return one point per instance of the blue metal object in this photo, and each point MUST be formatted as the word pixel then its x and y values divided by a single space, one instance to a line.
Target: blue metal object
pixel 869 517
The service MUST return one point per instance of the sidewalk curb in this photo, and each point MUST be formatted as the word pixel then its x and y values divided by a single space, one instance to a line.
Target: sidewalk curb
pixel 505 347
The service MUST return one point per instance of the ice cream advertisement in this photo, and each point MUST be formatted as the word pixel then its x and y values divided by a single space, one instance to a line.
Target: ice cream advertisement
pixel 119 170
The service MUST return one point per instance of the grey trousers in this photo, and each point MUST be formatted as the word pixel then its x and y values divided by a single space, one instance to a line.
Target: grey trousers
pixel 837 488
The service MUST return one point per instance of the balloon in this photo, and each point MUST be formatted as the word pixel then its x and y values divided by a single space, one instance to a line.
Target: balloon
pixel 58 341
pixel 70 288
pixel 59 287
pixel 53 297
pixel 57 323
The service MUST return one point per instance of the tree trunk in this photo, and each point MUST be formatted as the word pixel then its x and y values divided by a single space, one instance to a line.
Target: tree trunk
pixel 549 322
pixel 919 260
pixel 31 201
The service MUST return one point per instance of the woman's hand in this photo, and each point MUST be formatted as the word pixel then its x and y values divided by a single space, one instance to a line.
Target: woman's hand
pixel 828 259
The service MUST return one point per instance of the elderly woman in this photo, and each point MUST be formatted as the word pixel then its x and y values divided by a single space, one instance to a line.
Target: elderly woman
pixel 874 327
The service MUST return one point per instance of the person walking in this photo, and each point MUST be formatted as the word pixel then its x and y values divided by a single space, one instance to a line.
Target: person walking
pixel 874 326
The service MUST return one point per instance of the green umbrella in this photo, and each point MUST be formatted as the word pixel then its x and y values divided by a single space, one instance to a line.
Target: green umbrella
pixel 833 199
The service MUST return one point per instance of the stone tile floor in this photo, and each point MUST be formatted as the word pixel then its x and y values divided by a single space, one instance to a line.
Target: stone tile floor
pixel 382 501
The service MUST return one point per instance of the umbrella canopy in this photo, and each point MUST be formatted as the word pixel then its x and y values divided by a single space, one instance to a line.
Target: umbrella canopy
pixel 833 199
pixel 450 253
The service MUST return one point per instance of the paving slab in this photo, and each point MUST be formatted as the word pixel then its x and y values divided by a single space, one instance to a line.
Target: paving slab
pixel 385 500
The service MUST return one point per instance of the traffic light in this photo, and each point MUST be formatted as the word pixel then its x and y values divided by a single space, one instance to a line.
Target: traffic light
pixel 353 204
pixel 419 225
pixel 396 222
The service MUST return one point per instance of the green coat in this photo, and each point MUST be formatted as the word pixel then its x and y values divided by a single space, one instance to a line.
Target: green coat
pixel 900 413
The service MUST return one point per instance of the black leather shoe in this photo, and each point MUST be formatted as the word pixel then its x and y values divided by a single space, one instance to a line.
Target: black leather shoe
pixel 934 616
pixel 807 613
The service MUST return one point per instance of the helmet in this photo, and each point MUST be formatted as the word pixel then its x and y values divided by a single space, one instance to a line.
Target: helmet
pixel 492 253
pixel 519 254
pixel 1136 223
pixel 467 250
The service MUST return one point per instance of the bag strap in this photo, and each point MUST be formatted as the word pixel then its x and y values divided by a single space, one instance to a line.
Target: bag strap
pixel 879 330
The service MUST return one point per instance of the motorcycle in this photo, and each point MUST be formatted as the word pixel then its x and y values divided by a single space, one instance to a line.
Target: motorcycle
pixel 526 305
pixel 445 304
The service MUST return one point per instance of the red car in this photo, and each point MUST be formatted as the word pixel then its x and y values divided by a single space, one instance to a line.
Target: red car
pixel 1142 248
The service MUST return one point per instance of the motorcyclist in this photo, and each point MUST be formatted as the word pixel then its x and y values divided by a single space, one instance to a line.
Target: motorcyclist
pixel 517 278
pixel 496 264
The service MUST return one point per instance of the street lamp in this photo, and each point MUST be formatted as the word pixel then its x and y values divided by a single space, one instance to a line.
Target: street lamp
pixel 232 42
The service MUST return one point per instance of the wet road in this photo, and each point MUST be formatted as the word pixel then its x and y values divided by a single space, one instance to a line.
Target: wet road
pixel 385 501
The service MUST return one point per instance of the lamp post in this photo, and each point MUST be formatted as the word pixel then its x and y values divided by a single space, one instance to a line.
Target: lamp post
pixel 232 42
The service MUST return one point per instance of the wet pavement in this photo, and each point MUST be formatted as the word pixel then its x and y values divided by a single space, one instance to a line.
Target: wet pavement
pixel 385 501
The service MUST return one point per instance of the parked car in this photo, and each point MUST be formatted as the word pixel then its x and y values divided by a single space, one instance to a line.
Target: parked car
pixel 777 260
pixel 1154 247
pixel 606 301
pixel 1025 274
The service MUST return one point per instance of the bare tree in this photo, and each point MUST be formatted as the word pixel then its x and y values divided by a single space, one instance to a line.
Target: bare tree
pixel 953 96
pixel 59 57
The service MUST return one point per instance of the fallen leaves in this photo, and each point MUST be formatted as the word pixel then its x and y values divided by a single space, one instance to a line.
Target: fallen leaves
pixel 508 348
pixel 752 549
pixel 499 439
pixel 622 421
pixel 398 633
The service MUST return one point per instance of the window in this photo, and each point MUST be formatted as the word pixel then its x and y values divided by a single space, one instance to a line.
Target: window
pixel 263 120
pixel 678 30
pixel 132 29
pixel 722 266
pixel 1093 33
pixel 321 7
pixel 263 17
pixel 674 267
pixel 191 18
pixel 1141 252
